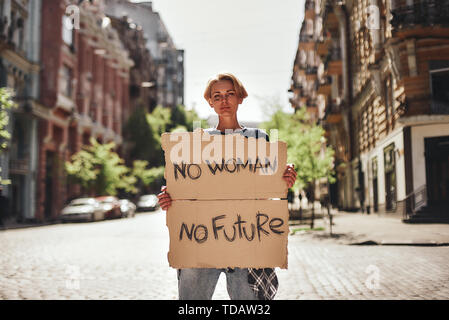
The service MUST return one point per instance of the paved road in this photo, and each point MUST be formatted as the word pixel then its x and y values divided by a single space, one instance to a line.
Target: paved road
pixel 127 259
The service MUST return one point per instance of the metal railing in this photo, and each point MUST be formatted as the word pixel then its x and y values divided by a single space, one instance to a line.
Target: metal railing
pixel 427 13
pixel 415 201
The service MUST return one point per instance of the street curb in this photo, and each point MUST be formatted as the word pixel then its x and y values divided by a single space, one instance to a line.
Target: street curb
pixel 417 244
pixel 25 226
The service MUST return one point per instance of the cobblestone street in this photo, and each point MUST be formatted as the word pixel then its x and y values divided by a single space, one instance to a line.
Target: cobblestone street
pixel 127 259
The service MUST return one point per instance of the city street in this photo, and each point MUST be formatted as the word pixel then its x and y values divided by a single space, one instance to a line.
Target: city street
pixel 127 259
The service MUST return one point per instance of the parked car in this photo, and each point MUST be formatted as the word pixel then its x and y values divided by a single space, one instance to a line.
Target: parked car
pixel 148 202
pixel 82 209
pixel 110 206
pixel 127 208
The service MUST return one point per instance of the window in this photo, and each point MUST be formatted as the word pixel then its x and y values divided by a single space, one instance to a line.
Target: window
pixel 440 92
pixel 388 98
pixel 66 81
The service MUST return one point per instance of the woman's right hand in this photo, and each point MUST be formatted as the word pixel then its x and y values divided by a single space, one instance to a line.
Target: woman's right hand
pixel 164 198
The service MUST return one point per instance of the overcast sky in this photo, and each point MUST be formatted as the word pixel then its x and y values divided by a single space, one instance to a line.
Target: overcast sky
pixel 254 39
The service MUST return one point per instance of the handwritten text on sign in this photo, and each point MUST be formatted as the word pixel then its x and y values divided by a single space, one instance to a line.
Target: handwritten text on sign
pixel 220 234
pixel 233 167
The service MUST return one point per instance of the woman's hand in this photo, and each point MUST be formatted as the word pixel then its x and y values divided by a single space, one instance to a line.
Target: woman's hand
pixel 290 175
pixel 164 199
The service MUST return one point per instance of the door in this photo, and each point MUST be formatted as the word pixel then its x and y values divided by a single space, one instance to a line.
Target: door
pixel 17 194
pixel 375 196
pixel 375 185
pixel 49 164
pixel 390 177
pixel 437 170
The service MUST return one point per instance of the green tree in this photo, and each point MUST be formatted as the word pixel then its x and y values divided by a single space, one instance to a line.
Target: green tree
pixel 6 104
pixel 306 149
pixel 143 131
pixel 140 136
pixel 99 170
pixel 147 179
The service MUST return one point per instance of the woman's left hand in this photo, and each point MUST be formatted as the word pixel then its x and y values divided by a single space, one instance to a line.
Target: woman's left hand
pixel 290 175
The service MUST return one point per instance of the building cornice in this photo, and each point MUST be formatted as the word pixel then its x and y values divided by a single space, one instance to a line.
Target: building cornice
pixel 424 119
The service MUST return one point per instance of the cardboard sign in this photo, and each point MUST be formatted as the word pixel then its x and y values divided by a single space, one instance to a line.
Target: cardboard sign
pixel 224 212
pixel 210 167
pixel 223 233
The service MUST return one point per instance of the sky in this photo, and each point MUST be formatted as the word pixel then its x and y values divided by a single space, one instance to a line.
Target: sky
pixel 256 40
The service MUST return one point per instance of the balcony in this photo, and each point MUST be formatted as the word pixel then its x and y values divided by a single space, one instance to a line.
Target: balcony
pixel 333 113
pixel 306 38
pixel 425 13
pixel 325 87
pixel 309 10
pixel 296 88
pixel 19 166
pixel 311 73
pixel 306 42
pixel 310 5
pixel 322 48
pixel 334 62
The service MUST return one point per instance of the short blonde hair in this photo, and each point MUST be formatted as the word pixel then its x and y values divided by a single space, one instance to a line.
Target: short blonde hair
pixel 238 86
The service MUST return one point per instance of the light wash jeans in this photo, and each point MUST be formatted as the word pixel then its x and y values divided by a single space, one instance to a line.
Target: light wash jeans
pixel 199 284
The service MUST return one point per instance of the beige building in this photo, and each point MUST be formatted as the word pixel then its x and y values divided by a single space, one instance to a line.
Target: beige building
pixel 382 94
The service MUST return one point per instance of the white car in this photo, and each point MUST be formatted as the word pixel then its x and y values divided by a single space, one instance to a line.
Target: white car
pixel 148 202
pixel 127 208
pixel 83 209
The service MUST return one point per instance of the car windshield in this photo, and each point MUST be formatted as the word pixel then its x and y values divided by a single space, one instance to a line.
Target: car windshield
pixel 82 202
pixel 108 200
pixel 148 197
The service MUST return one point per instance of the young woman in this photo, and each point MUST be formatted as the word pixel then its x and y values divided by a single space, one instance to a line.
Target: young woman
pixel 225 93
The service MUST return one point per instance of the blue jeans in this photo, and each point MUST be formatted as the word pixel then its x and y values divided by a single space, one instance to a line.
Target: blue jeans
pixel 199 284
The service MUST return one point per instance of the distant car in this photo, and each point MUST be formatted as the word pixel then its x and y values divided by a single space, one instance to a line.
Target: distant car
pixel 148 202
pixel 127 208
pixel 110 206
pixel 87 209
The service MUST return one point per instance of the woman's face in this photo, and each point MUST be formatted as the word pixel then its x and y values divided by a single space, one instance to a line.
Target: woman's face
pixel 224 99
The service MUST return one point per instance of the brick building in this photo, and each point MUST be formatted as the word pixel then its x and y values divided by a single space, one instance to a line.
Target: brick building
pixel 19 70
pixel 143 75
pixel 169 60
pixel 84 91
pixel 383 78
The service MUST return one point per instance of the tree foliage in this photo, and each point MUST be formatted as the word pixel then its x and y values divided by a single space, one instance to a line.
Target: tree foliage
pixel 99 170
pixel 147 178
pixel 6 104
pixel 144 131
pixel 305 146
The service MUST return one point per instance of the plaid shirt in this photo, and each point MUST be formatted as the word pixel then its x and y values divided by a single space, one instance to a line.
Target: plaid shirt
pixel 264 282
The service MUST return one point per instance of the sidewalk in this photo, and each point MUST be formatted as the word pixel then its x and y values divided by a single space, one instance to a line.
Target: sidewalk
pixel 8 224
pixel 364 229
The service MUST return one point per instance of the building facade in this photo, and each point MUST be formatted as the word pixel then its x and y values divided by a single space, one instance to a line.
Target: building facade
pixel 143 75
pixel 383 78
pixel 19 69
pixel 84 91
pixel 168 59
